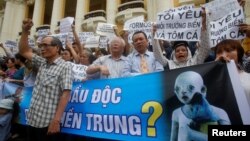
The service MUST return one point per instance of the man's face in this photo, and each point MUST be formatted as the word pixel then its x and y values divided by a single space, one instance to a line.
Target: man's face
pixel 116 46
pixel 140 42
pixel 47 49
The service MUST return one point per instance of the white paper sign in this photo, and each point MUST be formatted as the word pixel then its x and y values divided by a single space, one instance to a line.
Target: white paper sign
pixel 140 26
pixel 79 72
pixel 105 29
pixel 62 37
pixel 92 42
pixel 136 19
pixel 103 42
pixel 179 24
pixel 65 24
pixel 220 8
pixel 43 32
pixel 12 46
pixel 227 27
pixel 31 43
pixel 84 35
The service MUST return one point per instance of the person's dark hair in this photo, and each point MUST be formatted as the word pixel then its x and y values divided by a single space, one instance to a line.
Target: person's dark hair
pixel 74 43
pixel 68 51
pixel 104 51
pixel 3 65
pixel 11 59
pixel 138 32
pixel 229 44
pixel 20 57
pixel 57 42
pixel 180 43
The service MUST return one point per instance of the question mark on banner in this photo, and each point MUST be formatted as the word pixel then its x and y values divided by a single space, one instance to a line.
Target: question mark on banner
pixel 157 111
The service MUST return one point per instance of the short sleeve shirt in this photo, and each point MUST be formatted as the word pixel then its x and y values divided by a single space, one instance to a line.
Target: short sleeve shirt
pixel 50 82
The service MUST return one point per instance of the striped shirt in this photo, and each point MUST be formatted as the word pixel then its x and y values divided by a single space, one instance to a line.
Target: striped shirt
pixel 115 66
pixel 51 80
pixel 133 67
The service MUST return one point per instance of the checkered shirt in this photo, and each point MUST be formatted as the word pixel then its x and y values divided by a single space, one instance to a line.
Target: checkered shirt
pixel 50 82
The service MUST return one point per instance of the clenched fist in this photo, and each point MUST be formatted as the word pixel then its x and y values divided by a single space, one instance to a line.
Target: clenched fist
pixel 27 24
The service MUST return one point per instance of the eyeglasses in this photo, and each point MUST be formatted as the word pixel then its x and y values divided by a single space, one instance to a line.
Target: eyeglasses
pixel 45 45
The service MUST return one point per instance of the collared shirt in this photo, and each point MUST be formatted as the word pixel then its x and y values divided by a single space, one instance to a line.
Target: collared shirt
pixel 51 80
pixel 115 66
pixel 133 68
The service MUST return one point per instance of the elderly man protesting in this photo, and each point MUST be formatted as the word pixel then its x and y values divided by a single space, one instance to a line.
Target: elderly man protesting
pixel 52 86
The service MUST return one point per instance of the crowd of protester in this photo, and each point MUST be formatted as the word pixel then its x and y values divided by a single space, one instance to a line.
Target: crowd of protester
pixel 49 69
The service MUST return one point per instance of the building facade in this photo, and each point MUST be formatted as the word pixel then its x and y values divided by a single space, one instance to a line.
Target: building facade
pixel 87 13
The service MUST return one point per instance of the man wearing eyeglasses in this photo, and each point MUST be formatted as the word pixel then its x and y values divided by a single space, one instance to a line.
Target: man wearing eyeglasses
pixel 52 86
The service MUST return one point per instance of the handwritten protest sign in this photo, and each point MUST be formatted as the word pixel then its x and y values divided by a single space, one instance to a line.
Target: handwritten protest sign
pixel 81 35
pixel 140 26
pixel 43 32
pixel 103 42
pixel 220 8
pixel 136 19
pixel 181 23
pixel 105 29
pixel 227 27
pixel 31 42
pixel 84 35
pixel 79 72
pixel 65 24
pixel 12 46
pixel 62 37
pixel 92 42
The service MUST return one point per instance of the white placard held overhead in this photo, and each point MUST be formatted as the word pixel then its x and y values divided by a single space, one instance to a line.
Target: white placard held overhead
pixel 65 24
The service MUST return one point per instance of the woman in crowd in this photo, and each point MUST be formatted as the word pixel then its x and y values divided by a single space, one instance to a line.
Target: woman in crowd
pixel 86 57
pixel 19 74
pixel 232 50
pixel 181 55
pixel 11 68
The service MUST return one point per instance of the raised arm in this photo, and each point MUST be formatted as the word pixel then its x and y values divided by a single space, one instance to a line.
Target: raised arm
pixel 77 40
pixel 203 48
pixel 74 54
pixel 157 50
pixel 24 48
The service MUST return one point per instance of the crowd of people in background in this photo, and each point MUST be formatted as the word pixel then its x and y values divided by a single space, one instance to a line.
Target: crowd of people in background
pixel 48 68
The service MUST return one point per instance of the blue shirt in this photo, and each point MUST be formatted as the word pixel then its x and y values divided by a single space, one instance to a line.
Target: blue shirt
pixel 132 66
pixel 19 74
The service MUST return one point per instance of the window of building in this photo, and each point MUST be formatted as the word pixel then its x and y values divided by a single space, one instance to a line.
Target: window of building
pixel 48 11
pixel 97 5
pixel 30 11
pixel 70 8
